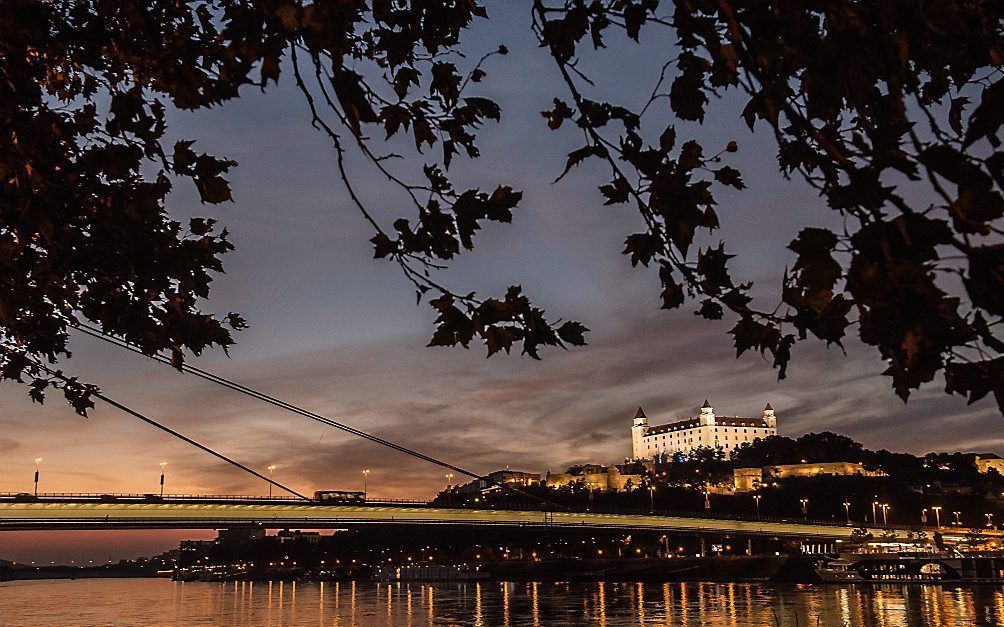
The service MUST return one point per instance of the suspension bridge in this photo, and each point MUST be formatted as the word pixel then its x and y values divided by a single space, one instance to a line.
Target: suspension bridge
pixel 24 511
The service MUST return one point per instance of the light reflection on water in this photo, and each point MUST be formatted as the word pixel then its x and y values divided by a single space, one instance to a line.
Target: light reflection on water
pixel 163 602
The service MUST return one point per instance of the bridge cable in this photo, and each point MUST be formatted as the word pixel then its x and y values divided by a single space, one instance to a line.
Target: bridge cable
pixel 180 436
pixel 237 387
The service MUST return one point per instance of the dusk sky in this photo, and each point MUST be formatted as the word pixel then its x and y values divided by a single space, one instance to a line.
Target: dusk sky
pixel 337 332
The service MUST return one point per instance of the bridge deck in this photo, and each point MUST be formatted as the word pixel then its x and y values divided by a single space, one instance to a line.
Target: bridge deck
pixel 91 515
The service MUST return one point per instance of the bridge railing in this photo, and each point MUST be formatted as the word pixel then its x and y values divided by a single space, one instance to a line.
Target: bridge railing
pixel 600 509
pixel 63 497
pixel 147 497
pixel 187 498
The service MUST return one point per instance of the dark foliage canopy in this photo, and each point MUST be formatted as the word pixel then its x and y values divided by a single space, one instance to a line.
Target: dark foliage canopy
pixel 891 110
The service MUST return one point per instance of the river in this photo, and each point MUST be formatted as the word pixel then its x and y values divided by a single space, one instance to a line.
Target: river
pixel 163 602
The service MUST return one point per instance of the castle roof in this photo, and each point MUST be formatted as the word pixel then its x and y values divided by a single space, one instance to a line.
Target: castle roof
pixel 640 413
pixel 768 408
pixel 689 423
pixel 720 421
pixel 706 404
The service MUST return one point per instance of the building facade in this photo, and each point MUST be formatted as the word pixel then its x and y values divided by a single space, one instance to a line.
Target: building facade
pixel 985 462
pixel 752 479
pixel 601 478
pixel 707 430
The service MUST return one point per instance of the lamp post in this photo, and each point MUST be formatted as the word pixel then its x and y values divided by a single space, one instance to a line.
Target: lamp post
pixel 270 469
pixel 874 515
pixel 885 514
pixel 923 517
pixel 651 498
pixel 958 521
pixel 707 501
pixel 937 516
pixel 756 499
pixel 163 467
pixel 847 511
pixel 366 474
pixel 805 508
pixel 990 520
pixel 38 462
pixel 449 480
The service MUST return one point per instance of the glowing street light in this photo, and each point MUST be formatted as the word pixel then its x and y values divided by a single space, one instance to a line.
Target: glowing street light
pixel 756 499
pixel 163 467
pixel 923 517
pixel 958 521
pixel 990 520
pixel 874 515
pixel 707 501
pixel 270 470
pixel 847 511
pixel 366 474
pixel 885 514
pixel 805 507
pixel 38 462
pixel 937 515
pixel 449 480
pixel 651 498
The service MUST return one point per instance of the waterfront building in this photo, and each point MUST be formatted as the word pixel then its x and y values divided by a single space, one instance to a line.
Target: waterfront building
pixel 706 430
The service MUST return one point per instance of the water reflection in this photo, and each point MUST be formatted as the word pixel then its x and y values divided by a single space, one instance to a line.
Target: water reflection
pixel 158 602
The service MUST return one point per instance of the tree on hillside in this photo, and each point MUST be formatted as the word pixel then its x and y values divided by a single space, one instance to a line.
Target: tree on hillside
pixel 829 447
pixel 774 450
pixel 892 111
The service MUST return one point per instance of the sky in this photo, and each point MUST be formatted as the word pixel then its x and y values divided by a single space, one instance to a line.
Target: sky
pixel 337 332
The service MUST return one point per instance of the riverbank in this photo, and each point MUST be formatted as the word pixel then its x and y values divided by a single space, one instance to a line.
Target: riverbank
pixel 794 569
pixel 710 569
pixel 24 572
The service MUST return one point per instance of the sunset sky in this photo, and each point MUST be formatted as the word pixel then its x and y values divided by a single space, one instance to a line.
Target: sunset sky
pixel 338 333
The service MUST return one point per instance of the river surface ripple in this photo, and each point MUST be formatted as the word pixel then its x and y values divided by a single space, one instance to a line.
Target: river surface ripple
pixel 164 602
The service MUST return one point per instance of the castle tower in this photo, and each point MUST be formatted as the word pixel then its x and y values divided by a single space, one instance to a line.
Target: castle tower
pixel 768 416
pixel 638 430
pixel 707 417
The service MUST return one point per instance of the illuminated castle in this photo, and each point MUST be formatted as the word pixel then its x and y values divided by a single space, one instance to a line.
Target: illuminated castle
pixel 707 430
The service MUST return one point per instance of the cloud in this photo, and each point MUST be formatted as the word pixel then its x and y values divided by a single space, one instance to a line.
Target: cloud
pixel 7 446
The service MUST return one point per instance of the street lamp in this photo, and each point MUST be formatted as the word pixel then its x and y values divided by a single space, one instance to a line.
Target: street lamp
pixel 885 514
pixel 756 499
pixel 958 521
pixel 937 516
pixel 270 469
pixel 847 511
pixel 707 501
pixel 923 517
pixel 366 474
pixel 874 515
pixel 38 462
pixel 449 480
pixel 163 466
pixel 651 498
pixel 990 520
pixel 805 507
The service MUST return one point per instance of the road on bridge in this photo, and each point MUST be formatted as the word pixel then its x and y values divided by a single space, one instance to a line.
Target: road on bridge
pixel 100 515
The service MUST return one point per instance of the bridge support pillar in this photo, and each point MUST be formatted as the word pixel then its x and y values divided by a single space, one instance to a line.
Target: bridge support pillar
pixel 703 550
